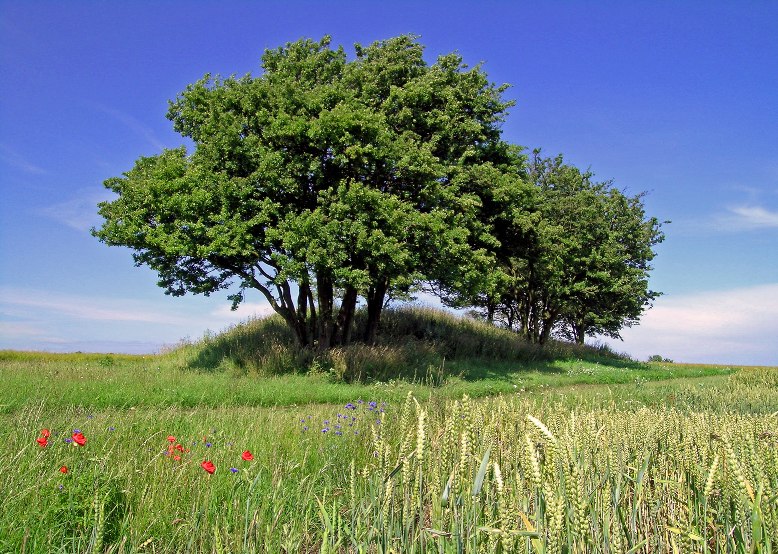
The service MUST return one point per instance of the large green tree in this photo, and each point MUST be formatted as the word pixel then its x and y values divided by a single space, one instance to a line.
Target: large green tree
pixel 319 182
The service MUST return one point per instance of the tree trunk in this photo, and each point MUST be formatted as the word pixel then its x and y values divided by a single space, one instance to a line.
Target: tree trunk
pixel 326 324
pixel 376 295
pixel 346 316
pixel 579 331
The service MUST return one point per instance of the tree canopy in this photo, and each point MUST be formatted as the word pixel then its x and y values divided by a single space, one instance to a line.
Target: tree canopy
pixel 320 178
pixel 325 181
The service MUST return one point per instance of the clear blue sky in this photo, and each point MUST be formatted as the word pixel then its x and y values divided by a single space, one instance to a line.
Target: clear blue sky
pixel 677 99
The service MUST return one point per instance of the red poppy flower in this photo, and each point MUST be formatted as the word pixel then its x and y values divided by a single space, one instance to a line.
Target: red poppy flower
pixel 248 456
pixel 42 441
pixel 177 458
pixel 179 447
pixel 171 438
pixel 63 469
pixel 79 439
pixel 45 433
pixel 208 466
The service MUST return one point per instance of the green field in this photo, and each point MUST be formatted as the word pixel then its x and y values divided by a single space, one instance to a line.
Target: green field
pixel 546 455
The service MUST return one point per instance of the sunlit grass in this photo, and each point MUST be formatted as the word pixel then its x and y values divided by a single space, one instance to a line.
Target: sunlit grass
pixel 629 469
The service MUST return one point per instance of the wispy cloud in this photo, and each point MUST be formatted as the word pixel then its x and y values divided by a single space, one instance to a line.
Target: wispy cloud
pixel 80 212
pixel 11 157
pixel 735 326
pixel 135 125
pixel 751 217
pixel 21 302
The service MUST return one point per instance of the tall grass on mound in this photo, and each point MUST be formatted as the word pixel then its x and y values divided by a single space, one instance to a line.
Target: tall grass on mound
pixel 413 343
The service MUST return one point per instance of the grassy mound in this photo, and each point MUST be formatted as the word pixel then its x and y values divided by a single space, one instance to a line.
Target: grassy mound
pixel 420 344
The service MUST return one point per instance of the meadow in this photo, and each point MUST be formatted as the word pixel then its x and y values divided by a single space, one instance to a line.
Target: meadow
pixel 564 454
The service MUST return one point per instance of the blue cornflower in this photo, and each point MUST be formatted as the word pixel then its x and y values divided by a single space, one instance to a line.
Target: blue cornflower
pixel 373 405
pixel 234 469
pixel 325 429
pixel 338 433
pixel 305 428
pixel 208 445
pixel 112 428
pixel 68 440
pixel 350 406
pixel 76 431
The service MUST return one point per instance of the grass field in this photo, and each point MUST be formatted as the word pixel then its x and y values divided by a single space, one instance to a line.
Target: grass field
pixel 565 455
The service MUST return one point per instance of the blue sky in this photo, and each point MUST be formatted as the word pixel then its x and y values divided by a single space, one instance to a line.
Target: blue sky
pixel 677 99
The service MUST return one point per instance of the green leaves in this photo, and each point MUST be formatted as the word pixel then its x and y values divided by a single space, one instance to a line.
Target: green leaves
pixel 328 175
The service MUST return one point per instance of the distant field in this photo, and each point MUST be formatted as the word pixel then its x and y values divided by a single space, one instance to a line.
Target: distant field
pixel 623 457
pixel 99 381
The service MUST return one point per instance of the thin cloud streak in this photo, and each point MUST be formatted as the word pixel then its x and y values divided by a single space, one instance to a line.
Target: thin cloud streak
pixel 752 217
pixel 134 125
pixel 14 159
pixel 21 302
pixel 79 213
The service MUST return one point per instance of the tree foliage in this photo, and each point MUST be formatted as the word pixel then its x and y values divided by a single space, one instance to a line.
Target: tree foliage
pixel 317 183
pixel 574 257
pixel 326 181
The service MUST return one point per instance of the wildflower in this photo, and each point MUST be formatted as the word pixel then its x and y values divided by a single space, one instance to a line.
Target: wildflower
pixel 208 445
pixel 305 428
pixel 326 429
pixel 76 431
pixel 372 405
pixel 247 455
pixel 338 433
pixel 179 447
pixel 68 440
pixel 42 441
pixel 350 406
pixel 234 469
pixel 79 438
pixel 63 469
pixel 208 466
pixel 112 428
pixel 45 433
pixel 171 438
pixel 177 458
